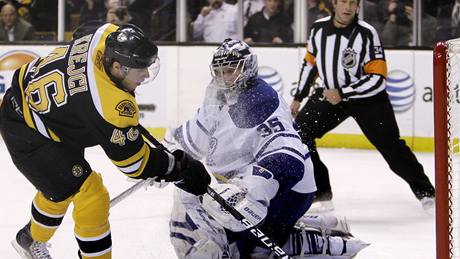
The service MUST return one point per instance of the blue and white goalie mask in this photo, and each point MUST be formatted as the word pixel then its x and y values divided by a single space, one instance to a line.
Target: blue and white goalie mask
pixel 233 65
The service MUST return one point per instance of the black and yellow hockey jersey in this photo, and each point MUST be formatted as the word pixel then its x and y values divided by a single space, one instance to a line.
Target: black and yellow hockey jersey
pixel 68 97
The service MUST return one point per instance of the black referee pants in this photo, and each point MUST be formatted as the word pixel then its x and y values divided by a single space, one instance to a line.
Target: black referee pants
pixel 376 119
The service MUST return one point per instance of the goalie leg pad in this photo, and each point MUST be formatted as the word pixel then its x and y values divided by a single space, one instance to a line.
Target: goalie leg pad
pixel 193 233
pixel 205 249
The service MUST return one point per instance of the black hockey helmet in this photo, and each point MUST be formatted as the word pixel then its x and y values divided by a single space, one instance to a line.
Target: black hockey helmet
pixel 129 46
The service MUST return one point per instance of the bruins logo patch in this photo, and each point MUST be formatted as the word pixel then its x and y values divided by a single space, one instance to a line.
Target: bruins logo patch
pixel 126 108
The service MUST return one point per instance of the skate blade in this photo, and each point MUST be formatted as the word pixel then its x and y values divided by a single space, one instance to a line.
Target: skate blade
pixel 21 251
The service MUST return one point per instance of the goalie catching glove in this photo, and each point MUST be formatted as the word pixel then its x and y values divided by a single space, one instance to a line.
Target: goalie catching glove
pixel 188 174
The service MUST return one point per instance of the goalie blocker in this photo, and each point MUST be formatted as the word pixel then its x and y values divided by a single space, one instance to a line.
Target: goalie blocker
pixel 253 204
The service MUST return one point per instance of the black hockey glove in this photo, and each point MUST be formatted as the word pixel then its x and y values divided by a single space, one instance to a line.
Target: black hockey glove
pixel 188 174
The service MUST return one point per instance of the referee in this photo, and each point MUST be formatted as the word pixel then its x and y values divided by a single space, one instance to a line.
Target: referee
pixel 346 53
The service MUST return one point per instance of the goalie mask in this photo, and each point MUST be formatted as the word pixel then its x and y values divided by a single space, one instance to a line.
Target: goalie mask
pixel 233 65
pixel 137 55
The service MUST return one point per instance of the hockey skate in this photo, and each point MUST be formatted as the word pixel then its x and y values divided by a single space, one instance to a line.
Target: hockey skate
pixel 27 248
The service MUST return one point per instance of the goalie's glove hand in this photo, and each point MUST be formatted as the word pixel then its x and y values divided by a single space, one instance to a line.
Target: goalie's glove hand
pixel 188 174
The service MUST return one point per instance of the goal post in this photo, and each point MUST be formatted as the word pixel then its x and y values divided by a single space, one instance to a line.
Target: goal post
pixel 446 80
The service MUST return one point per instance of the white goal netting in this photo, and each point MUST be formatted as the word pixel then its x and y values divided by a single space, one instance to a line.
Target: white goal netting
pixel 453 135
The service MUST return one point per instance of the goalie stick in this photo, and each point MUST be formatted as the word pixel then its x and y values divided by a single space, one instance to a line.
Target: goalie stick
pixel 216 196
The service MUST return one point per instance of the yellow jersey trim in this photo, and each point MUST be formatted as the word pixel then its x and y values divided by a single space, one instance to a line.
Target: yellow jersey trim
pixel 25 105
pixel 144 162
pixel 109 95
pixel 132 159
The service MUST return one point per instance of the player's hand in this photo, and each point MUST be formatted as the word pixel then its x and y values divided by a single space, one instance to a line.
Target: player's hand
pixel 295 106
pixel 195 178
pixel 332 96
pixel 188 174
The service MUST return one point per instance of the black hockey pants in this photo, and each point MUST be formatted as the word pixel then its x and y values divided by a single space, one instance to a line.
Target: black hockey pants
pixel 376 119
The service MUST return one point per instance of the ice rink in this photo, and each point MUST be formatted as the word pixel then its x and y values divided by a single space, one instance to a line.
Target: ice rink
pixel 379 206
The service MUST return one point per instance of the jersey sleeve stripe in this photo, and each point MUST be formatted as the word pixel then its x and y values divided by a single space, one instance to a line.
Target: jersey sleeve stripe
pixel 377 66
pixel 187 146
pixel 375 85
pixel 201 126
pixel 379 83
pixel 361 82
pixel 134 158
pixel 142 165
pixel 265 146
pixel 307 76
pixel 132 168
pixel 181 236
pixel 190 139
pixel 185 225
pixel 310 58
pixel 366 85
pixel 286 150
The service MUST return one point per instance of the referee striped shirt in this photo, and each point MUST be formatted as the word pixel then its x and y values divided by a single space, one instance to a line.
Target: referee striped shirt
pixel 349 59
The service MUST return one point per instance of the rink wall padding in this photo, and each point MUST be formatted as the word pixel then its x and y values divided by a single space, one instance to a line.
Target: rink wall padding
pixel 179 89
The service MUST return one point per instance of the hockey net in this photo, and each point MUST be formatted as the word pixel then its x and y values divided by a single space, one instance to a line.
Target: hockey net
pixel 446 79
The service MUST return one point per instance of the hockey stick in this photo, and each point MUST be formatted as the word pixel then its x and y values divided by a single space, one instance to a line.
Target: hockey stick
pixel 216 196
pixel 127 192
pixel 248 225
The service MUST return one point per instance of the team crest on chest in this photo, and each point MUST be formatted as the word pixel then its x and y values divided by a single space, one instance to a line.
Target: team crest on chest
pixel 348 58
pixel 126 108
pixel 211 149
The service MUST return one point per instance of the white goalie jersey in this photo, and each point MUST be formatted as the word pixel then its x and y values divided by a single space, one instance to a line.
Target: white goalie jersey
pixel 257 129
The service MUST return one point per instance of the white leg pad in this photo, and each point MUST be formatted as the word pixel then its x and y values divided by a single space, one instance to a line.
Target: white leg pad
pixel 193 233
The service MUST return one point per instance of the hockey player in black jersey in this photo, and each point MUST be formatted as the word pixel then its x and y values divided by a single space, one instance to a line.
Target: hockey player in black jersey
pixel 82 95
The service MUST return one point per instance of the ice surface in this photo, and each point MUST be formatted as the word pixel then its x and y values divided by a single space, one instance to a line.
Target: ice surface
pixel 379 206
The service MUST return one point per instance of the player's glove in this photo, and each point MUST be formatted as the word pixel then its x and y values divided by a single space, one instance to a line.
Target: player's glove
pixel 188 174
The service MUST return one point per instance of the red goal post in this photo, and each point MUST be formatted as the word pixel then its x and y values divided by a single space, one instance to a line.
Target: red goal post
pixel 446 78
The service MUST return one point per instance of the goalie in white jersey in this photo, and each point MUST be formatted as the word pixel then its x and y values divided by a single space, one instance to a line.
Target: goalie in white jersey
pixel 245 134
